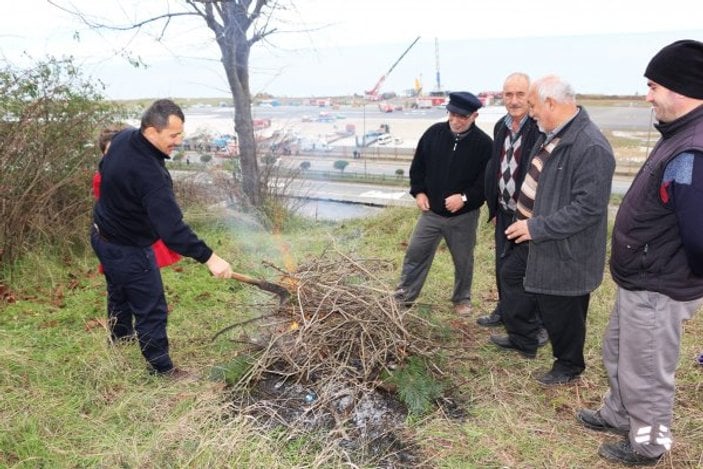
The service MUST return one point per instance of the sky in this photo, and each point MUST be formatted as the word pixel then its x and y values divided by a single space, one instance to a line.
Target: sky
pixel 341 47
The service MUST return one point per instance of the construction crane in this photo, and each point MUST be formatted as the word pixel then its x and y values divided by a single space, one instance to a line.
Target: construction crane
pixel 373 92
pixel 438 86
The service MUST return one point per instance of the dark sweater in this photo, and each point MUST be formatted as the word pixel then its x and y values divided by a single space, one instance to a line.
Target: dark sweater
pixel 530 133
pixel 137 205
pixel 445 164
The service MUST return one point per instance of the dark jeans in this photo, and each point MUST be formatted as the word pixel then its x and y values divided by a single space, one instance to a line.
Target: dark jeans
pixel 564 317
pixel 135 293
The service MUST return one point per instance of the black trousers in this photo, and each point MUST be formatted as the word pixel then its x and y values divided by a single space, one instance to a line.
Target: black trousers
pixel 503 221
pixel 136 299
pixel 564 317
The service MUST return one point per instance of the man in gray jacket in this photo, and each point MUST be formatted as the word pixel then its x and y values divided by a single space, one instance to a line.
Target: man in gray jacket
pixel 558 246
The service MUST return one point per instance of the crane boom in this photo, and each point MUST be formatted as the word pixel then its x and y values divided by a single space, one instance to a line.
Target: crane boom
pixel 373 93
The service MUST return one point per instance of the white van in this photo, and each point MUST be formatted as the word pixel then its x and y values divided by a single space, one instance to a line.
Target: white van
pixel 385 139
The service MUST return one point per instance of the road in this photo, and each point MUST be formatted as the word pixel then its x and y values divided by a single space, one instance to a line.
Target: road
pixel 359 166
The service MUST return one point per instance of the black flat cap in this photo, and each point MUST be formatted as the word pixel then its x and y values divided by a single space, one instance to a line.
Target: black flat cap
pixel 463 103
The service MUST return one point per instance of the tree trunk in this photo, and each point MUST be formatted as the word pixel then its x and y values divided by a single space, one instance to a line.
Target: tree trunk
pixel 235 50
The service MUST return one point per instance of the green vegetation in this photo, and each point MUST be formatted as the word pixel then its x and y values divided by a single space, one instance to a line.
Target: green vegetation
pixel 50 116
pixel 71 400
pixel 341 165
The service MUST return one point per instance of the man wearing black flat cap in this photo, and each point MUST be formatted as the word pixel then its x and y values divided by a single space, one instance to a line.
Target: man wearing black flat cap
pixel 447 180
pixel 657 264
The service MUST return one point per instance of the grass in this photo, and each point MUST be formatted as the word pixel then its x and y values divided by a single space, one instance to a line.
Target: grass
pixel 70 400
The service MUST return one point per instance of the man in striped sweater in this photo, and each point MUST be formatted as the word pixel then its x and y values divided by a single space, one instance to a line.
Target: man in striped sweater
pixel 557 253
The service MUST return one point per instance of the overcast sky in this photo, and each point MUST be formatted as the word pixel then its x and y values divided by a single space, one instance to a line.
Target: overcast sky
pixel 601 46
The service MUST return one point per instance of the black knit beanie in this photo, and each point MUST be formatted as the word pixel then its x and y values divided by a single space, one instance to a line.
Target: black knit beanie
pixel 679 67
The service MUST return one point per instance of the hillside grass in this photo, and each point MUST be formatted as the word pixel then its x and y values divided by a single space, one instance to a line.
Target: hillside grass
pixel 68 399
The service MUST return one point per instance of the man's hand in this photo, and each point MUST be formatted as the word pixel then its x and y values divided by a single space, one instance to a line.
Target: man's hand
pixel 219 267
pixel 518 232
pixel 453 203
pixel 423 203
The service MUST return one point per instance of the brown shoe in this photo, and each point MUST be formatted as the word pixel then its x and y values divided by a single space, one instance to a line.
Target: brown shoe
pixel 462 309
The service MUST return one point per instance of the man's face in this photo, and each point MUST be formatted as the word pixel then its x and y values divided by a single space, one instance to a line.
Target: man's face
pixel 515 92
pixel 540 111
pixel 167 139
pixel 460 124
pixel 664 102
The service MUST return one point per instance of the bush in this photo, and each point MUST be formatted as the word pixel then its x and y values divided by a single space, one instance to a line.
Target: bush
pixel 341 165
pixel 49 122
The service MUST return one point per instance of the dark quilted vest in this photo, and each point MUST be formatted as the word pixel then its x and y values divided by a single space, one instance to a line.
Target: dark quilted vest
pixel 647 253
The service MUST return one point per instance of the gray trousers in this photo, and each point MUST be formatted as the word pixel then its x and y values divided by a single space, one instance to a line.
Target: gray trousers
pixel 459 233
pixel 640 353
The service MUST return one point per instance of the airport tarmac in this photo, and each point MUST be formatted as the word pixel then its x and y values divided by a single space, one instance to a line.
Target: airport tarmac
pixel 406 127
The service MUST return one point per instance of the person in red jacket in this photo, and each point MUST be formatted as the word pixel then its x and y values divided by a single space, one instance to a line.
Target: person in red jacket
pixel 164 256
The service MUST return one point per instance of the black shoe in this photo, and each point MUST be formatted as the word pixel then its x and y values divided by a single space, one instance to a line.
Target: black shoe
pixel 542 337
pixel 557 378
pixel 504 342
pixel 399 298
pixel 593 420
pixel 623 453
pixel 492 320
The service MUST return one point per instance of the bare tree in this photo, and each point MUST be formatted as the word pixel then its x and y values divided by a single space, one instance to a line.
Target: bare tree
pixel 237 26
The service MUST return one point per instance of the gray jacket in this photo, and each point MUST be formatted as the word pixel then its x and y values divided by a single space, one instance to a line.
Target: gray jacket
pixel 570 215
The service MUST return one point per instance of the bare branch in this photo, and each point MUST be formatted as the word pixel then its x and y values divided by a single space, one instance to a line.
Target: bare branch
pixel 137 25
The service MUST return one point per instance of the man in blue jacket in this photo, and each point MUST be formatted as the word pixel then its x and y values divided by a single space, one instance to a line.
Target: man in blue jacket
pixel 136 207
pixel 557 256
pixel 657 264
pixel 446 179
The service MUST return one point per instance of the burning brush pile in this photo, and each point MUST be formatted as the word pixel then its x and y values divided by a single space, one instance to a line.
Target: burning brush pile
pixel 339 359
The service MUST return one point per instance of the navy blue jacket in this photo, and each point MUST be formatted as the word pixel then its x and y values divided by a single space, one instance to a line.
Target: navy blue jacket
pixel 137 205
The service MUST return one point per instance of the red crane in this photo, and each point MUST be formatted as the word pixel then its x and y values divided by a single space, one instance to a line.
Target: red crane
pixel 373 92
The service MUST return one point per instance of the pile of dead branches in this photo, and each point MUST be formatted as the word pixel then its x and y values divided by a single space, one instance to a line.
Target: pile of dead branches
pixel 322 358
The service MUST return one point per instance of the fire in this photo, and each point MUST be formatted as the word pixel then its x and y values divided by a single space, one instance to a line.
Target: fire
pixel 288 261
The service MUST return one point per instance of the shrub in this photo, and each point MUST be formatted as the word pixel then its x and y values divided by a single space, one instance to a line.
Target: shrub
pixel 49 122
pixel 341 165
